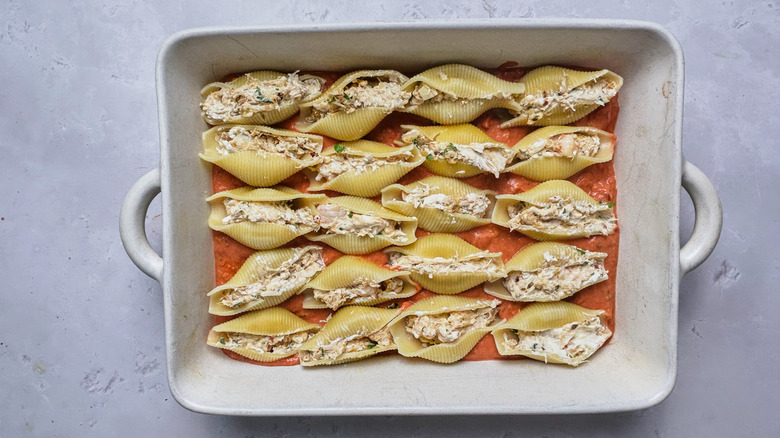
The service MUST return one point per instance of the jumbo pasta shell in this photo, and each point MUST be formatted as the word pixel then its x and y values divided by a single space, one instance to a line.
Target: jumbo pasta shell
pixel 449 352
pixel 275 321
pixel 255 266
pixel 370 181
pixel 353 244
pixel 535 257
pixel 257 168
pixel 343 273
pixel 544 168
pixel 456 135
pixel 552 80
pixel 274 116
pixel 433 219
pixel 453 248
pixel 539 196
pixel 342 125
pixel 539 317
pixel 350 322
pixel 258 235
pixel 473 90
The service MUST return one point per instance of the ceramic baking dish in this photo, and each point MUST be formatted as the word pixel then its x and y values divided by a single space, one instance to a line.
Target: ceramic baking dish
pixel 636 370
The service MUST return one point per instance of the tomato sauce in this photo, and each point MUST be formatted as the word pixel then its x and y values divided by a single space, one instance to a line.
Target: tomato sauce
pixel 597 180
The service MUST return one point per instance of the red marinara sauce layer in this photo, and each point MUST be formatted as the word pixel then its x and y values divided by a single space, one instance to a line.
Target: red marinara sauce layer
pixel 597 180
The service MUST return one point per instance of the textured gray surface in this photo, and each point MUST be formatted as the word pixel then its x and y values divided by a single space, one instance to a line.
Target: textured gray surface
pixel 81 329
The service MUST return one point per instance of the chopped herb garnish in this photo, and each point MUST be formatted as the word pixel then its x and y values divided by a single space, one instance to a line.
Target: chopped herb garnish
pixel 339 148
pixel 611 204
pixel 349 215
pixel 260 97
pixel 416 141
pixel 429 157
pixel 393 306
pixel 222 341
pixel 371 345
pixel 580 251
pixel 533 347
pixel 451 146
pixel 346 96
pixel 332 99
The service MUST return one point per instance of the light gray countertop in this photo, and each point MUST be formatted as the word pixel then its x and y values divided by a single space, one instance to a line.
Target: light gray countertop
pixel 81 329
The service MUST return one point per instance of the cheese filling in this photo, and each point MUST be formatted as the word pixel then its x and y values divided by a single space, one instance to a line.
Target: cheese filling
pixel 272 212
pixel 262 344
pixel 479 262
pixel 362 288
pixel 557 278
pixel 293 274
pixel 563 216
pixel 361 93
pixel 352 344
pixel 471 204
pixel 255 96
pixel 332 166
pixel 570 344
pixel 448 327
pixel 563 145
pixel 488 157
pixel 335 219
pixel 544 103
pixel 239 139
pixel 424 93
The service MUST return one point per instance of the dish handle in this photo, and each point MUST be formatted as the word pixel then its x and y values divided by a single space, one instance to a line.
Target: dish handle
pixel 132 224
pixel 708 221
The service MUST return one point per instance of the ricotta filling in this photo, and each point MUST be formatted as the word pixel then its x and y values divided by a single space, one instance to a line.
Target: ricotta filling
pixel 362 288
pixel 351 344
pixel 471 204
pixel 335 219
pixel 239 139
pixel 544 103
pixel 448 327
pixel 361 93
pixel 557 278
pixel 424 93
pixel 478 262
pixel 255 96
pixel 332 166
pixel 563 145
pixel 292 274
pixel 281 344
pixel 570 344
pixel 563 216
pixel 271 212
pixel 488 157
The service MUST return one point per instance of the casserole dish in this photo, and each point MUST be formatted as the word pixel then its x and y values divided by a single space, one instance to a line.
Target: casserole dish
pixel 636 370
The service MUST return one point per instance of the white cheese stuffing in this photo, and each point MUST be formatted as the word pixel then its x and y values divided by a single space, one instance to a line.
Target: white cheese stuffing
pixel 281 344
pixel 543 103
pixel 238 139
pixel 478 262
pixel 446 327
pixel 332 166
pixel 335 219
pixel 424 196
pixel 424 93
pixel 362 289
pixel 489 157
pixel 361 93
pixel 563 145
pixel 232 104
pixel 293 274
pixel 352 344
pixel 557 278
pixel 273 212
pixel 571 344
pixel 563 216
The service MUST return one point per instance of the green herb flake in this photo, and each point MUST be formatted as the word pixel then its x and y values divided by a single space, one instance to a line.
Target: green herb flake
pixel 611 204
pixel 260 97
pixel 349 215
pixel 416 142
pixel 451 147
pixel 580 251
pixel 339 148
pixel 346 96
pixel 331 100
pixel 222 341
pixel 429 157
pixel 371 345
pixel 533 347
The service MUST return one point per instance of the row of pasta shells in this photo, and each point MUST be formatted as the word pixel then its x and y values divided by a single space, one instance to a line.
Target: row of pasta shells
pixel 450 94
pixel 355 333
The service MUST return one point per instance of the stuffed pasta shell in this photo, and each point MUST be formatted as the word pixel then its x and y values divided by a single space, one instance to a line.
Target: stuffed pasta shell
pixel 559 332
pixel 352 333
pixel 457 93
pixel 258 155
pixel 266 278
pixel 355 281
pixel 457 151
pixel 263 335
pixel 444 328
pixel 355 225
pixel 354 104
pixel 549 271
pixel 446 264
pixel 362 167
pixel 558 152
pixel 258 98
pixel 441 205
pixel 559 96
pixel 555 210
pixel 264 218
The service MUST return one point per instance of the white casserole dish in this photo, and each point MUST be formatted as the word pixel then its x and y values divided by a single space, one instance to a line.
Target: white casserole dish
pixel 636 370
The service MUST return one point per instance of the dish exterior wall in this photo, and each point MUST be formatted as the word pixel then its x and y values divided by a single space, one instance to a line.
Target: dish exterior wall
pixel 636 370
